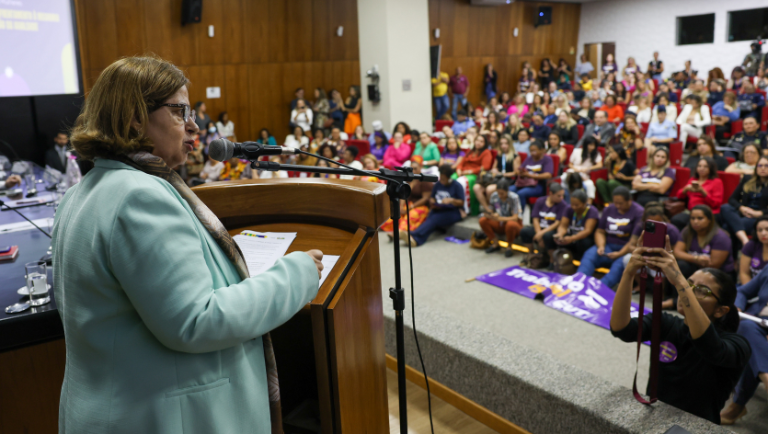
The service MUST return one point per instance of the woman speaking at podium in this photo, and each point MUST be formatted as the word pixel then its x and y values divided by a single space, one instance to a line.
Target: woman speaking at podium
pixel 163 325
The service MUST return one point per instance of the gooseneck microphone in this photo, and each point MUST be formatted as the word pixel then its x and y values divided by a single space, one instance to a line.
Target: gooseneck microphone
pixel 25 218
pixel 223 150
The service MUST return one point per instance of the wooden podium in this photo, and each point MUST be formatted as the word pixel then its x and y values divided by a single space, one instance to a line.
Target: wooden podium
pixel 330 356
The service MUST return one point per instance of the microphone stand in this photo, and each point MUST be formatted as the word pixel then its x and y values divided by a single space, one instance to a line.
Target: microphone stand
pixel 397 189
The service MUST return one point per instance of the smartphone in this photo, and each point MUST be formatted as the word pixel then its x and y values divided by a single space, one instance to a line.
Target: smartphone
pixel 655 236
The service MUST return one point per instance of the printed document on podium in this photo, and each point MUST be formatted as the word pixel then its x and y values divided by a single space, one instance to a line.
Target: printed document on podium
pixel 262 249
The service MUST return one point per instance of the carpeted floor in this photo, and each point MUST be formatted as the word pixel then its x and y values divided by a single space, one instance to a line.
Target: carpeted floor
pixel 441 269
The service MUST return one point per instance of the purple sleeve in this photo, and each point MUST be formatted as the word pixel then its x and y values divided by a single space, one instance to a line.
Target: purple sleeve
pixel 638 229
pixel 674 234
pixel 749 249
pixel 592 213
pixel 564 209
pixel 548 165
pixel 537 208
pixel 569 213
pixel 604 218
pixel 669 173
pixel 721 241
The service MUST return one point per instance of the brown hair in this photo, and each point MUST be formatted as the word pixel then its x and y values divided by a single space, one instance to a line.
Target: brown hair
pixel 128 89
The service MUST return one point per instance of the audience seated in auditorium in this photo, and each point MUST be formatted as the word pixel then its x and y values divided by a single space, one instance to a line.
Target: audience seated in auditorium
pixel 427 149
pixel 502 216
pixel 504 167
pixel 555 147
pixel 614 112
pixel 304 159
pixel 538 129
pixel 379 127
pixel 302 116
pixel 478 160
pixel 573 182
pixel 693 118
pixel 602 130
pixel 705 147
pixel 495 106
pixel 328 151
pixel 584 114
pixel 359 134
pixel 318 140
pixel 754 254
pixel 621 172
pixel 452 155
pixel 225 126
pixel 576 228
pixel 545 217
pixel 737 79
pixel 397 153
pixel 513 126
pixel 462 123
pixel 662 131
pixel 321 108
pixel 671 109
pixel 350 159
pixel 298 138
pixel 611 238
pixel 724 112
pixel 703 244
pixel 751 103
pixel 519 107
pixel 566 128
pixel 630 136
pixel 746 163
pixel 716 92
pixel 641 109
pixel 265 138
pixel 583 161
pixel 750 134
pixel 235 169
pixel 380 145
pixel 756 371
pixel 703 188
pixel 534 173
pixel 654 181
pixel 492 123
pixel 523 141
pixel 446 201
pixel 748 202
pixel 208 135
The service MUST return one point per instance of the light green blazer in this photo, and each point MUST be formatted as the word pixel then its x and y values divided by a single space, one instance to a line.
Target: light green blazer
pixel 162 335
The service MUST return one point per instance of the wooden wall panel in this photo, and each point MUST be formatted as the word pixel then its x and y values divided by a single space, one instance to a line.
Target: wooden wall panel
pixel 473 36
pixel 261 51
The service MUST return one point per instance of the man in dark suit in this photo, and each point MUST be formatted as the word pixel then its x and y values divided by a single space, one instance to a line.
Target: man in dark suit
pixel 56 157
pixel 602 130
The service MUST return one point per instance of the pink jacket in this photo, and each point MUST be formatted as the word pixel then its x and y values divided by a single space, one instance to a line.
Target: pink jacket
pixel 396 156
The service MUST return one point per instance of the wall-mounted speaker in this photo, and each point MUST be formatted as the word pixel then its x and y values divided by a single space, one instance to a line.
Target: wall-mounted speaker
pixel 191 11
pixel 543 16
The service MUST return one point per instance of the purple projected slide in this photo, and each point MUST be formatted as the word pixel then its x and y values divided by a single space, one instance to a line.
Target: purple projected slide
pixel 37 48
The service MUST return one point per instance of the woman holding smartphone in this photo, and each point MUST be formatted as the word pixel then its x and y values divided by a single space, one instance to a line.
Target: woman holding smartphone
pixel 709 355
pixel 704 188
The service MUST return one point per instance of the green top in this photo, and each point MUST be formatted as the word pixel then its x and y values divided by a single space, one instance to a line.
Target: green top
pixel 428 154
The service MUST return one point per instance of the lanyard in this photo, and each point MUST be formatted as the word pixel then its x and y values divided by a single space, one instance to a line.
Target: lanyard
pixel 658 290
pixel 503 163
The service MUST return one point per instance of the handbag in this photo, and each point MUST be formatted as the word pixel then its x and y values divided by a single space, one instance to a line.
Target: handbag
pixel 537 260
pixel 525 182
pixel 479 240
pixel 673 207
pixel 562 261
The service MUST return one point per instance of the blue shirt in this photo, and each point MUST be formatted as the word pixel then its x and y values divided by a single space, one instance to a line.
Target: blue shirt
pixel 453 190
pixel 745 101
pixel 719 110
pixel 541 132
pixel 522 147
pixel 665 130
pixel 462 127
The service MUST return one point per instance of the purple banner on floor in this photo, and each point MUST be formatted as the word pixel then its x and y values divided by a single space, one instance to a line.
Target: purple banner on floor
pixel 456 240
pixel 584 297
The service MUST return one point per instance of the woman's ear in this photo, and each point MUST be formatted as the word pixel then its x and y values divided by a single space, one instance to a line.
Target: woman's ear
pixel 136 124
pixel 721 311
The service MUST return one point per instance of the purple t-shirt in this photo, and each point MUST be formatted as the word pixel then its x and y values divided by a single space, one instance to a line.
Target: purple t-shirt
pixel 754 249
pixel 452 157
pixel 578 222
pixel 618 227
pixel 721 241
pixel 548 215
pixel 538 167
pixel 379 152
pixel 646 177
pixel 672 231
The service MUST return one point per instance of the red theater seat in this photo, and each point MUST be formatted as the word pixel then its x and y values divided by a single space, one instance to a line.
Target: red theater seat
pixel 568 151
pixel 730 182
pixel 682 174
pixel 641 158
pixel 362 146
pixel 676 153
pixel 441 123
pixel 581 127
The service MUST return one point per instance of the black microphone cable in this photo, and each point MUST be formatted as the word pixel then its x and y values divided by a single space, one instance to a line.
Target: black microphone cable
pixel 25 218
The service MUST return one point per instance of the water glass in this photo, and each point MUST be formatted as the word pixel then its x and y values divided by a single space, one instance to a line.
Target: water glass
pixel 37 283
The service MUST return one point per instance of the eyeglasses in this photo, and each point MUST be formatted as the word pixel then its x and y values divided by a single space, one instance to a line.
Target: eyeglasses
pixel 701 292
pixel 187 113
pixel 762 166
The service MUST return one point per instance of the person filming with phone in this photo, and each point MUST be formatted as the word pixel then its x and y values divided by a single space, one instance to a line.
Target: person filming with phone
pixel 703 356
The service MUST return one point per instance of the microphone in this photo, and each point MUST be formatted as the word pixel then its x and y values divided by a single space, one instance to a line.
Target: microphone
pixel 223 150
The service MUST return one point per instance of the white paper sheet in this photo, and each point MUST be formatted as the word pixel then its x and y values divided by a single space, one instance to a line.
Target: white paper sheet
pixel 262 249
pixel 23 226
pixel 26 201
pixel 329 261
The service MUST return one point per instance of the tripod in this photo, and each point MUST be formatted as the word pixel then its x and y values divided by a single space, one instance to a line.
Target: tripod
pixel 397 189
